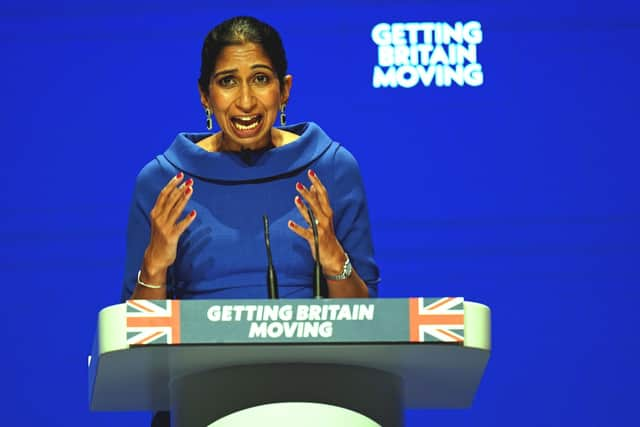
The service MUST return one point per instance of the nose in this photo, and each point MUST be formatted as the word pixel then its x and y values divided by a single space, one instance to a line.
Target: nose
pixel 246 101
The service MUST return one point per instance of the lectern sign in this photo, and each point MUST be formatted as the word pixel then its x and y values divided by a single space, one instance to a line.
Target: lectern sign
pixel 295 321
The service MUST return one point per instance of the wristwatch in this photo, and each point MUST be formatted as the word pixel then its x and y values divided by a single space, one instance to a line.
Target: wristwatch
pixel 346 271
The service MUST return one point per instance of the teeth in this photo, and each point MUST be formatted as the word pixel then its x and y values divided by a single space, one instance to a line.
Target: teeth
pixel 243 127
pixel 236 122
pixel 247 117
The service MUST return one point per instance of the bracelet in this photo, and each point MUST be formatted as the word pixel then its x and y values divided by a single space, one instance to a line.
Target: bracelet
pixel 146 285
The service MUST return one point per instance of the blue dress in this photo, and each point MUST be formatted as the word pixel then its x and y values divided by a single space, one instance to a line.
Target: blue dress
pixel 222 254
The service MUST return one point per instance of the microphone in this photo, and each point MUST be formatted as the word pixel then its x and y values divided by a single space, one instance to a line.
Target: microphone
pixel 272 279
pixel 317 276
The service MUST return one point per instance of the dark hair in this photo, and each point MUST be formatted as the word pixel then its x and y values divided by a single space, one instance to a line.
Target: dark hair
pixel 239 30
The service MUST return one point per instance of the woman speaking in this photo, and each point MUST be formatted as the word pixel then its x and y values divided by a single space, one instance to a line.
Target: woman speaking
pixel 196 221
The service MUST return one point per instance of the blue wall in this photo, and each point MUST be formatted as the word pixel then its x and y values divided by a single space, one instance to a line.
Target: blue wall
pixel 521 193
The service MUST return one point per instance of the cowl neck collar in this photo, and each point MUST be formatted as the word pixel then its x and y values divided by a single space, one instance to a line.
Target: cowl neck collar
pixel 185 155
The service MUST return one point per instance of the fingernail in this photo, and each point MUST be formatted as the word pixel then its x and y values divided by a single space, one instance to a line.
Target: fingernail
pixel 188 191
pixel 192 214
pixel 189 182
pixel 299 186
pixel 312 173
pixel 291 224
pixel 179 176
pixel 298 200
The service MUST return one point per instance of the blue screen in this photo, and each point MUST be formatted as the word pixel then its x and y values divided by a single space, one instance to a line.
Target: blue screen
pixel 514 185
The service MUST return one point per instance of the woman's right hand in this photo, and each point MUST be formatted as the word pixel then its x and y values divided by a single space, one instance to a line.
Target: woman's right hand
pixel 166 229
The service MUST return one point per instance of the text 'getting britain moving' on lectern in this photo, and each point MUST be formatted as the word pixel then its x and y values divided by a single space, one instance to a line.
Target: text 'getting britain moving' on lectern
pixel 330 362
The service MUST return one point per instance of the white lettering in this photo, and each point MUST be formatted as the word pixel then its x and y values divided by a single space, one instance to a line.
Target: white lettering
pixel 427 29
pixel 333 308
pixel 439 55
pixel 270 313
pixel 366 312
pixel 302 312
pixel 258 330
pixel 226 313
pixel 385 55
pixel 345 312
pixel 291 329
pixel 473 75
pixel 472 32
pixel 326 329
pixel 381 34
pixel 407 76
pixel 286 313
pixel 431 53
pixel 213 314
pixel 455 74
pixel 382 79
pixel 451 33
pixel 251 309
pixel 402 55
pixel 397 34
pixel 315 312
pixel 466 52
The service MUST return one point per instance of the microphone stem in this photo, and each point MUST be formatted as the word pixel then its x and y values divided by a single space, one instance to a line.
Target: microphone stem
pixel 317 278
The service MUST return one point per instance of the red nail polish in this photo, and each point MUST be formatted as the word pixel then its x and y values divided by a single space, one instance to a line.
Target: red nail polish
pixel 179 176
pixel 189 182
pixel 312 173
pixel 192 214
pixel 299 186
pixel 187 191
pixel 290 223
pixel 298 200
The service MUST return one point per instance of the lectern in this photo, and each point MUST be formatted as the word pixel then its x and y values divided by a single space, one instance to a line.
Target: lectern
pixel 214 361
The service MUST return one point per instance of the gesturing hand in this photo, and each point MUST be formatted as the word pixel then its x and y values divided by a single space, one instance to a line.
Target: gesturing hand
pixel 332 255
pixel 165 227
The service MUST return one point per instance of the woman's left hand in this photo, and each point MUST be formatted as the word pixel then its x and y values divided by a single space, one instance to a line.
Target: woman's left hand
pixel 332 255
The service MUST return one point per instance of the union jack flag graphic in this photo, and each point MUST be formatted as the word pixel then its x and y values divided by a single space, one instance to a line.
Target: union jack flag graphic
pixel 436 319
pixel 153 322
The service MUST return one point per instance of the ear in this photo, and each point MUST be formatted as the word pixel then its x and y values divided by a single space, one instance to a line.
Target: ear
pixel 286 89
pixel 204 98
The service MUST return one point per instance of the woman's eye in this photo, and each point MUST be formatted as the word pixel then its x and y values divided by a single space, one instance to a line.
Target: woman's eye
pixel 226 81
pixel 262 79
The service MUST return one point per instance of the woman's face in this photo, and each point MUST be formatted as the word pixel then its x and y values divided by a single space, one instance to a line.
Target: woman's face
pixel 245 96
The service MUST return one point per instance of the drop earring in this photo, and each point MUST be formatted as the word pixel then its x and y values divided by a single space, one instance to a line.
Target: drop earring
pixel 209 122
pixel 283 115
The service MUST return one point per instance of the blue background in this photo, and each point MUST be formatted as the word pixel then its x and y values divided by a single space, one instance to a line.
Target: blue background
pixel 521 194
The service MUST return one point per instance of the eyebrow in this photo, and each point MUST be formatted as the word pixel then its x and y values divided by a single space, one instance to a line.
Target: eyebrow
pixel 233 70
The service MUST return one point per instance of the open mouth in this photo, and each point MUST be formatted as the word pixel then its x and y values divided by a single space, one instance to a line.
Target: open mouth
pixel 245 123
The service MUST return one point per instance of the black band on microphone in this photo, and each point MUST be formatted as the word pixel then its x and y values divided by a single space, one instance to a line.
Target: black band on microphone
pixel 272 279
